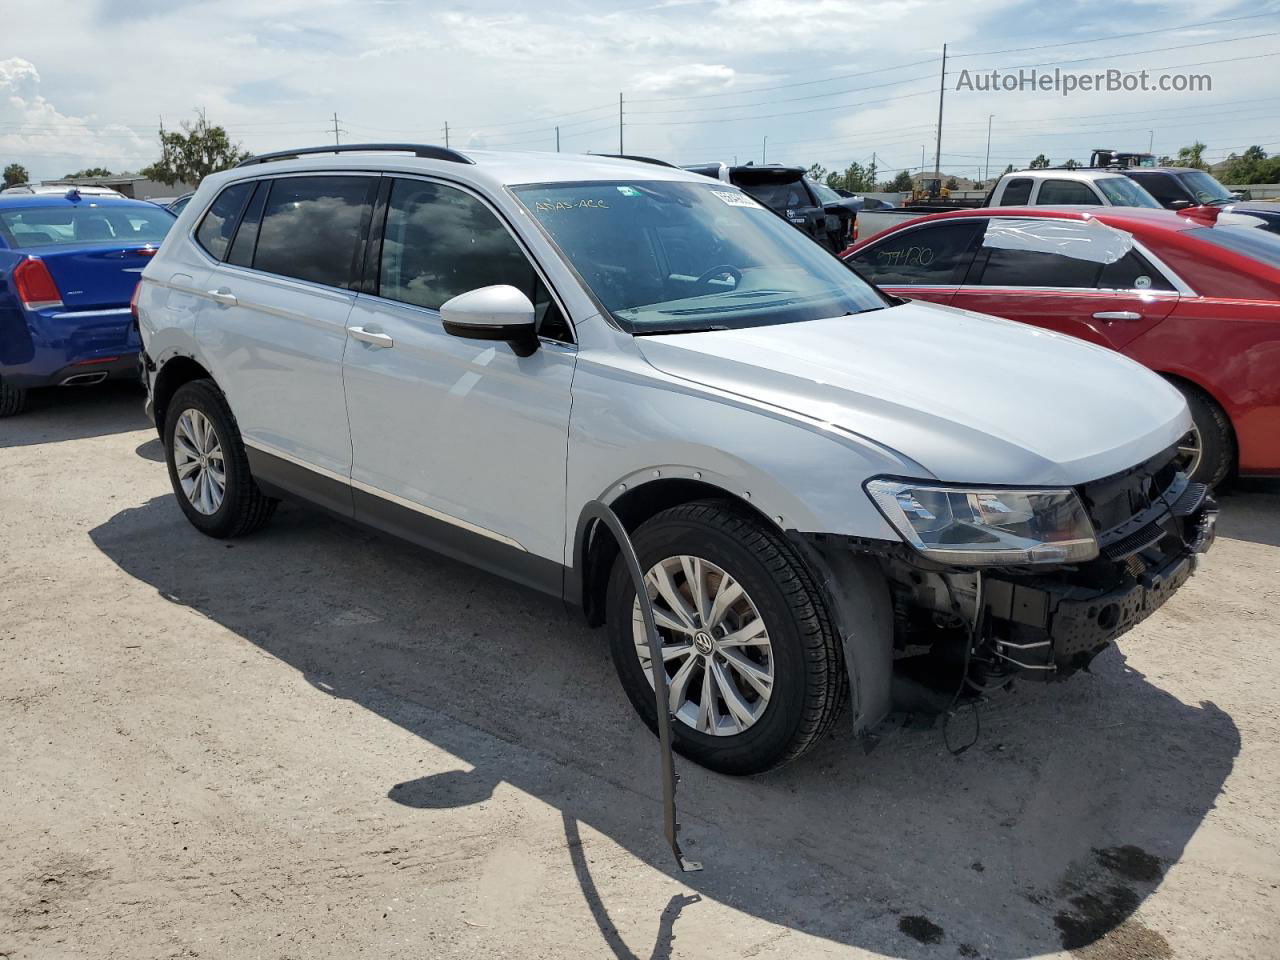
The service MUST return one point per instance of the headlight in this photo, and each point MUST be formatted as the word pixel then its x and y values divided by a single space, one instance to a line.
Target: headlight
pixel 968 526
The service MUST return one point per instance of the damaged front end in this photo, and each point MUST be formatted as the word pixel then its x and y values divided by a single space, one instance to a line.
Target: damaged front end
pixel 974 628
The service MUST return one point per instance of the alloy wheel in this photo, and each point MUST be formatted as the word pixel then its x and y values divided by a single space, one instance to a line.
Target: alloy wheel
pixel 715 646
pixel 1189 452
pixel 197 458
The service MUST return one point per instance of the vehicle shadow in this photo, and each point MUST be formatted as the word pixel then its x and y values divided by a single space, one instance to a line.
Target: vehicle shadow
pixel 1049 833
pixel 74 413
pixel 1251 511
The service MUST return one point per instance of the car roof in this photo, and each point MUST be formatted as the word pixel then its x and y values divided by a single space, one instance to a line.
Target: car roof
pixel 1139 218
pixel 1062 173
pixel 495 168
pixel 29 200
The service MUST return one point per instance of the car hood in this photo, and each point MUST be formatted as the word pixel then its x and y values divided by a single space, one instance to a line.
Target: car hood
pixel 968 397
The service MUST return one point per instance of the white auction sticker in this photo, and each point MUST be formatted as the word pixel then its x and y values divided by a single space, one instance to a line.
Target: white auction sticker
pixel 735 199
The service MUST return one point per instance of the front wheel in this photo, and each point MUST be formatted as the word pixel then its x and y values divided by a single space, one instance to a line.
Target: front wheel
pixel 1207 454
pixel 208 466
pixel 755 671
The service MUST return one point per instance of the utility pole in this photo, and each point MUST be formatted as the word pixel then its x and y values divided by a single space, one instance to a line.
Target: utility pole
pixel 620 150
pixel 1151 139
pixel 336 141
pixel 986 167
pixel 922 168
pixel 942 88
pixel 446 134
pixel 557 139
pixel 764 152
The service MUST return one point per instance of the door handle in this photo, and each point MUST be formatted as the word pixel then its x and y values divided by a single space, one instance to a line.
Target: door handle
pixel 223 296
pixel 1117 315
pixel 370 337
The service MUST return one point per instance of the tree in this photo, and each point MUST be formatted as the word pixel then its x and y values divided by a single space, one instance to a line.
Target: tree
pixel 1253 166
pixel 817 173
pixel 88 172
pixel 952 184
pixel 1040 162
pixel 1009 168
pixel 15 173
pixel 899 184
pixel 193 154
pixel 1071 165
pixel 1192 156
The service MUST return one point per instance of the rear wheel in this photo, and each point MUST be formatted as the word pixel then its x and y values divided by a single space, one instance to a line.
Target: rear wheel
pixel 208 467
pixel 1207 453
pixel 12 399
pixel 755 671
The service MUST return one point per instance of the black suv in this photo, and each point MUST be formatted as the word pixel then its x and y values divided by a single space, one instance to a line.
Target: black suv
pixel 786 192
pixel 1177 188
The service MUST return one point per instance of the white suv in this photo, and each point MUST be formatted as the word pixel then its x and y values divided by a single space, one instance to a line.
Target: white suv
pixel 826 486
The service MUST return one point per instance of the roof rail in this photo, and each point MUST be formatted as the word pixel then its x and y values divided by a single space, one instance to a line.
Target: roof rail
pixel 426 151
pixel 637 158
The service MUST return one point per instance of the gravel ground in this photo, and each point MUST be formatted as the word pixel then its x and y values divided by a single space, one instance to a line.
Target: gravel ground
pixel 318 742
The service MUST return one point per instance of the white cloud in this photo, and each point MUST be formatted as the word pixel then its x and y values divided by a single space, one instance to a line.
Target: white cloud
pixel 33 130
pixel 690 78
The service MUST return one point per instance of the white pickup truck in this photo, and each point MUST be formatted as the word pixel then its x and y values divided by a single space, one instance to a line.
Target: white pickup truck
pixel 1025 188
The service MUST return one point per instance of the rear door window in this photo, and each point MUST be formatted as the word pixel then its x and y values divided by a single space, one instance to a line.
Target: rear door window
pixel 215 230
pixel 440 241
pixel 935 255
pixel 1066 192
pixel 1016 192
pixel 313 228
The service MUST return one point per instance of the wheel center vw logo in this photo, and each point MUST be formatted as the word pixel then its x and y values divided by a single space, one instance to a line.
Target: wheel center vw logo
pixel 702 642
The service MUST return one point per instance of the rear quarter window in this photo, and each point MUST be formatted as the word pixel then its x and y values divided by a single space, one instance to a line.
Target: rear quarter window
pixel 215 230
pixel 1016 192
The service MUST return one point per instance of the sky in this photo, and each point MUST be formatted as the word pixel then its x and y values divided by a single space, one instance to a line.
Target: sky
pixel 85 83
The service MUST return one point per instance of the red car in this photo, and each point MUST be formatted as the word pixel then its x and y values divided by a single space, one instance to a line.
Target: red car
pixel 1193 299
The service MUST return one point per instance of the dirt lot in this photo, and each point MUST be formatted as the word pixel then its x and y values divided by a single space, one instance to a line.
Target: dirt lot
pixel 318 742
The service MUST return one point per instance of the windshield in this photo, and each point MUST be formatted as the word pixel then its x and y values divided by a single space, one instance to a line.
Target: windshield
pixel 88 223
pixel 1205 188
pixel 1123 192
pixel 1252 242
pixel 665 256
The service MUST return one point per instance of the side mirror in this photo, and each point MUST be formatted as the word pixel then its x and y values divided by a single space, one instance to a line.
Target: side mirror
pixel 1180 204
pixel 500 312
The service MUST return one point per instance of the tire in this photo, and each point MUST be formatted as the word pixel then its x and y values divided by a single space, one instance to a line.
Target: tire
pixel 243 508
pixel 804 657
pixel 1212 433
pixel 12 399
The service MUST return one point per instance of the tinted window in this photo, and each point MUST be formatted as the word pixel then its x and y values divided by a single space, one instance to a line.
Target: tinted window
pixel 1161 186
pixel 1016 192
pixel 215 229
pixel 1132 272
pixel 780 196
pixel 1031 268
pixel 937 254
pixel 441 242
pixel 1066 191
pixel 312 228
pixel 42 226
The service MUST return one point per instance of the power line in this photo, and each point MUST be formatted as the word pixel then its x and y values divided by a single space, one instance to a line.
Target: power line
pixel 1117 36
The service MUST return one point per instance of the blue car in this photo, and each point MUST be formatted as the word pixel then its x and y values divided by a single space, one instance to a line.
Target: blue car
pixel 69 265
